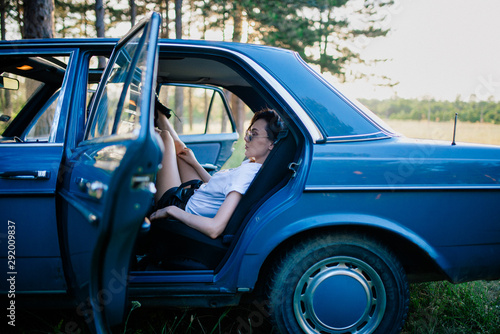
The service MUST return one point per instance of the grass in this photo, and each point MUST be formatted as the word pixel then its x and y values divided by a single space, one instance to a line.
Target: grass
pixel 241 319
pixel 483 133
pixel 435 308
pixel 442 307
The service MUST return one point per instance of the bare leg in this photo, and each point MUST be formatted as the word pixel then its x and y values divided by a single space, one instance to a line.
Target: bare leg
pixel 168 176
pixel 185 170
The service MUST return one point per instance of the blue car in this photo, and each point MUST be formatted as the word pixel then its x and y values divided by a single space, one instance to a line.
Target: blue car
pixel 344 214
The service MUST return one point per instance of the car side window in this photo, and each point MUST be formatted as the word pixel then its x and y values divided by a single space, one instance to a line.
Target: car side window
pixel 29 88
pixel 12 101
pixel 96 68
pixel 42 128
pixel 118 106
pixel 204 109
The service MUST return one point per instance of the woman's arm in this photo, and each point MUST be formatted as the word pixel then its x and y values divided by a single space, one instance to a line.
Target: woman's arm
pixel 212 227
pixel 188 156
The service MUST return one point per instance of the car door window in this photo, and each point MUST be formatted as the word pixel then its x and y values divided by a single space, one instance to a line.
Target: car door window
pixel 42 127
pixel 96 68
pixel 204 109
pixel 28 108
pixel 13 101
pixel 118 112
pixel 113 168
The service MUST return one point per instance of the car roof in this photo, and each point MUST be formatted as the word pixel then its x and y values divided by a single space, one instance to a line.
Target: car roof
pixel 254 51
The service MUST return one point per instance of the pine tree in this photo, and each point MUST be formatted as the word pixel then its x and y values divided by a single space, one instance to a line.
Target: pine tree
pixel 328 33
pixel 38 19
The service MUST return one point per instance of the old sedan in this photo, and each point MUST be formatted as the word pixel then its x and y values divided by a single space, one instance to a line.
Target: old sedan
pixel 342 216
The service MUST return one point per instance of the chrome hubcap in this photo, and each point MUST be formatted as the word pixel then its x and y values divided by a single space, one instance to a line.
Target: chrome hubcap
pixel 339 295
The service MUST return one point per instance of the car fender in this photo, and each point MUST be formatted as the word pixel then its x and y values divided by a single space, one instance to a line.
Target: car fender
pixel 268 234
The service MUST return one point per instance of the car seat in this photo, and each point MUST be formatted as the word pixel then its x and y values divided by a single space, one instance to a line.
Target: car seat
pixel 178 246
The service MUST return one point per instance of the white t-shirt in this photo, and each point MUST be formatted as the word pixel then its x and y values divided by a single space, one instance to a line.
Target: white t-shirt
pixel 207 200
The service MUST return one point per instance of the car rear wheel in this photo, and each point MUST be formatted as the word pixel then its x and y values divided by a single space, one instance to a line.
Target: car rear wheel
pixel 339 284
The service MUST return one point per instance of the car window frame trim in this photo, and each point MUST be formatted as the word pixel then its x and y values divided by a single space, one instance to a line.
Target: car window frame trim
pixel 71 53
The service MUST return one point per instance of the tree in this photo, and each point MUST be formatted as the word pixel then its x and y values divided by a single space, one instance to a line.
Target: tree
pixel 38 19
pixel 164 7
pixel 178 19
pixel 329 33
pixel 179 92
pixel 4 7
pixel 236 103
pixel 133 11
pixel 99 18
pixel 218 14
pixel 100 27
pixel 323 32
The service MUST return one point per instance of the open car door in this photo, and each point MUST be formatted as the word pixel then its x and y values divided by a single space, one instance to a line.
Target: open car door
pixel 108 180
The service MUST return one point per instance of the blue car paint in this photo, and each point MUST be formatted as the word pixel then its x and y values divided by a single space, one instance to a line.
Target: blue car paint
pixel 438 192
pixel 37 243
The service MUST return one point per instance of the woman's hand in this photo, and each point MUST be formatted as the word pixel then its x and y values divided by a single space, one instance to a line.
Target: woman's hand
pixel 165 212
pixel 188 156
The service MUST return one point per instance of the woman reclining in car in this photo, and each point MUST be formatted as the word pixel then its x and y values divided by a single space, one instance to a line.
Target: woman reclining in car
pixel 208 205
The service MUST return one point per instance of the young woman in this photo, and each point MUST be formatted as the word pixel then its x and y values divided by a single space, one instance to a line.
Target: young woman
pixel 209 207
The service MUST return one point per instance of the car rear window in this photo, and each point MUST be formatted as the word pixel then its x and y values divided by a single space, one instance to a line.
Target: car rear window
pixel 332 113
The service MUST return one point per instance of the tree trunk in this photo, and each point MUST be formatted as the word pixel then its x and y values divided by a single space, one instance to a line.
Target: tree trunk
pixel 19 16
pixel 236 103
pixel 3 11
pixel 99 18
pixel 133 12
pixel 238 22
pixel 38 19
pixel 178 19
pixel 179 91
pixel 164 7
pixel 100 27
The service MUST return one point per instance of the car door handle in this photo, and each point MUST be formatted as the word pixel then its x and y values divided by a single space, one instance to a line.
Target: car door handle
pixel 94 189
pixel 26 175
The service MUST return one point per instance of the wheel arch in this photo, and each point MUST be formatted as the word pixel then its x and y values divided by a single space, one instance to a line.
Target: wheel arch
pixel 419 264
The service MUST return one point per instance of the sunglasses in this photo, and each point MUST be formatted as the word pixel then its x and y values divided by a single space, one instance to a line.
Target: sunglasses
pixel 249 136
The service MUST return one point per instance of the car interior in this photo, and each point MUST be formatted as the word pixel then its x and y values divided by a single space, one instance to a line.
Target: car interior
pixel 40 78
pixel 28 105
pixel 183 247
pixel 28 108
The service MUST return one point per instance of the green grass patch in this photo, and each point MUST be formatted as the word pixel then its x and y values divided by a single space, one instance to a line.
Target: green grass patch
pixel 442 307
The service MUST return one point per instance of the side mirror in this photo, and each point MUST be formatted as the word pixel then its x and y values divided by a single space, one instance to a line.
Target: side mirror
pixel 9 83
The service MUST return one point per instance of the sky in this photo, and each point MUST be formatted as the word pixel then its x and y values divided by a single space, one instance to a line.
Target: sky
pixel 436 49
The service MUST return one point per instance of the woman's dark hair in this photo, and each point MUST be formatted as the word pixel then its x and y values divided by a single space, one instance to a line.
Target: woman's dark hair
pixel 273 120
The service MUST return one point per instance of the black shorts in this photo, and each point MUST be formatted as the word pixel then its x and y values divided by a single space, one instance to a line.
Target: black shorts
pixel 178 196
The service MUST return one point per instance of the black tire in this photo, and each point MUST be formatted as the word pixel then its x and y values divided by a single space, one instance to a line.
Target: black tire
pixel 339 284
